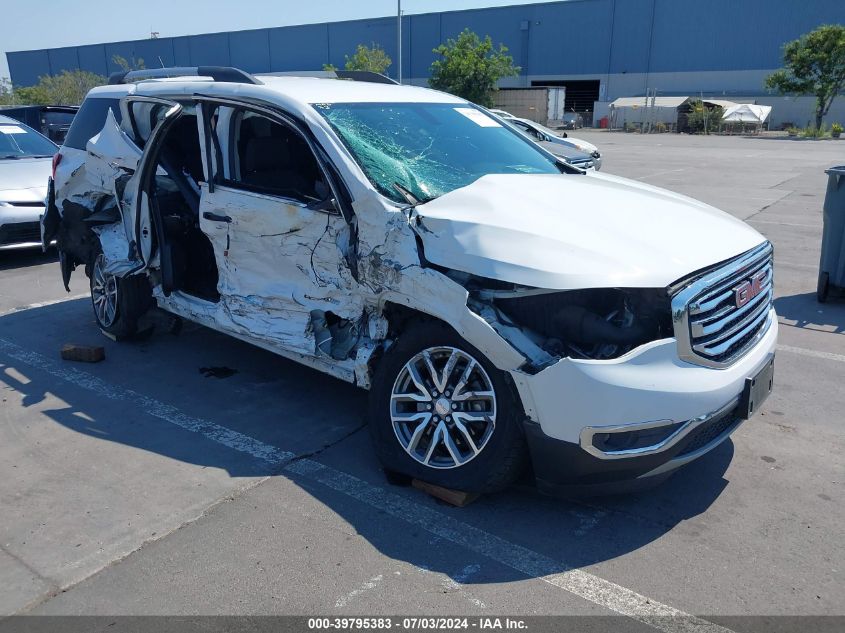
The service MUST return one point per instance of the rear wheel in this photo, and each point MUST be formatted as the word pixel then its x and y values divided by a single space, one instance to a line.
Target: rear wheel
pixel 442 413
pixel 118 302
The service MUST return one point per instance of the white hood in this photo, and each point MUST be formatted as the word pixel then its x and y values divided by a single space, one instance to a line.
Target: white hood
pixel 577 231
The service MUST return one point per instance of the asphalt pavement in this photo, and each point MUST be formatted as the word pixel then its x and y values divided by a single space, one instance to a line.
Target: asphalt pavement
pixel 145 485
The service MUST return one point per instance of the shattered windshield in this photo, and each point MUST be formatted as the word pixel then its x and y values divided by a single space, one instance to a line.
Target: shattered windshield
pixel 20 141
pixel 419 151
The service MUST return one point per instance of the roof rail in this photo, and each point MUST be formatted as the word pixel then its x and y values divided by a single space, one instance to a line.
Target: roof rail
pixel 217 73
pixel 353 75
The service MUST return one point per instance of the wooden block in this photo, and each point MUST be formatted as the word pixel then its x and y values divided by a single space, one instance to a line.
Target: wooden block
pixel 457 498
pixel 83 353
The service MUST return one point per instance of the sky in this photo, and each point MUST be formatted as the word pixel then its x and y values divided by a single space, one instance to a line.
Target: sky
pixel 62 23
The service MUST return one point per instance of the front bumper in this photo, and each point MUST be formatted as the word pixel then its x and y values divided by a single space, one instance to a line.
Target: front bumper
pixel 19 226
pixel 567 403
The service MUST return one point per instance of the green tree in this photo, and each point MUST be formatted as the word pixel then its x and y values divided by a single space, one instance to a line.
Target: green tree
pixel 69 87
pixel 7 93
pixel 126 65
pixel 814 64
pixel 704 119
pixel 31 95
pixel 470 67
pixel 372 58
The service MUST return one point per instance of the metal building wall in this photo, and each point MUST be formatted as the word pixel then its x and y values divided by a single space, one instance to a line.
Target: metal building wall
pixel 621 42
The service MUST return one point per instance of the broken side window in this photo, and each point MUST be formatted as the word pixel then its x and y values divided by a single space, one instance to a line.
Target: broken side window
pixel 268 157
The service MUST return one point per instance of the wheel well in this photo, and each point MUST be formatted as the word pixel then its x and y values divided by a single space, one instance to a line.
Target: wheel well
pixel 401 317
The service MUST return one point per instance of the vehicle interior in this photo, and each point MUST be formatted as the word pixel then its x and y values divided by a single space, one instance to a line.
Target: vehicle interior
pixel 266 157
pixel 187 256
pixel 271 158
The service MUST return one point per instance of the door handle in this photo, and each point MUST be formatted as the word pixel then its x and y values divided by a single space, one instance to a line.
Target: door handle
pixel 208 215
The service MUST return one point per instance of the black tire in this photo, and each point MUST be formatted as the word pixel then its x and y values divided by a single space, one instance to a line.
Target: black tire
pixel 823 287
pixel 134 298
pixel 501 458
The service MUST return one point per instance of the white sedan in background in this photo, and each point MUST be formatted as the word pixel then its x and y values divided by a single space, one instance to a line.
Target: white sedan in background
pixel 25 165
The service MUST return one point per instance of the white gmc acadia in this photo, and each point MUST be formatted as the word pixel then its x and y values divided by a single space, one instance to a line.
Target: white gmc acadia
pixel 501 306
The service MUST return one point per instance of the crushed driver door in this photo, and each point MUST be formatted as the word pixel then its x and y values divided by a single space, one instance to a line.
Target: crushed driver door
pixel 279 234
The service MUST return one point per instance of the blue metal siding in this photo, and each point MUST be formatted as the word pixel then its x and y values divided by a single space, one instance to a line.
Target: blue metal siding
pixel 570 38
pixel 573 37
pixel 344 38
pixel 250 50
pixel 301 47
pixel 93 59
pixel 422 37
pixel 62 58
pixel 181 50
pixel 25 67
pixel 209 50
pixel 732 35
pixel 631 27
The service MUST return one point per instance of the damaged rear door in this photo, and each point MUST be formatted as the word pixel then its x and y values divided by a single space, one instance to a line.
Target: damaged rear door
pixel 280 238
pixel 148 119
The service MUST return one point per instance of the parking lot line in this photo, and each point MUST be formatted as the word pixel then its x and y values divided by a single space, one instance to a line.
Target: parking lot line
pixel 43 304
pixel 214 432
pixel 601 592
pixel 811 352
pixel 372 583
pixel 597 590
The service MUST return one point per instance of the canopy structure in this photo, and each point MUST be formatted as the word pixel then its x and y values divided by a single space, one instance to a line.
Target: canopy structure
pixel 746 113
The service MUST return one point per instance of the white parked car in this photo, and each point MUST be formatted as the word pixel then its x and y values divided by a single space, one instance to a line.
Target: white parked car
pixel 25 157
pixel 498 304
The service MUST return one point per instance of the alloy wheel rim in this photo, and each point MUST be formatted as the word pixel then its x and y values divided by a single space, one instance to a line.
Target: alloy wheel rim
pixel 104 293
pixel 443 407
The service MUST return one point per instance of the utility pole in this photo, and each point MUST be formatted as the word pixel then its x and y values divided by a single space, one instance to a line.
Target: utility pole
pixel 399 37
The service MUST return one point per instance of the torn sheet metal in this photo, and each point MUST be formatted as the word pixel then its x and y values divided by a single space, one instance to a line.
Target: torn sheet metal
pixel 112 146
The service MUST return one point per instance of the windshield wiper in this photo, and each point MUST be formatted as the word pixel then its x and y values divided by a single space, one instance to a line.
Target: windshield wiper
pixel 11 156
pixel 410 197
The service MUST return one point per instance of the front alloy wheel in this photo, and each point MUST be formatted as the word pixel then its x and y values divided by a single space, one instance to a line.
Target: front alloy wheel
pixel 443 407
pixel 441 412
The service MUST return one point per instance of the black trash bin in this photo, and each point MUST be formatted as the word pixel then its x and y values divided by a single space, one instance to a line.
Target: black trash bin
pixel 832 263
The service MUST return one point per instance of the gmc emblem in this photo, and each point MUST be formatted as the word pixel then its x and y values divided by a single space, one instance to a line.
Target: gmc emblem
pixel 750 288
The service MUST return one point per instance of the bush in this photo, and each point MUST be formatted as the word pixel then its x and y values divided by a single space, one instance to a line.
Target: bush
pixel 814 132
pixel 703 119
pixel 835 130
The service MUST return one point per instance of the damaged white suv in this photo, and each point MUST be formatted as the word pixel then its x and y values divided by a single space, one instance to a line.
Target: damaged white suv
pixel 499 305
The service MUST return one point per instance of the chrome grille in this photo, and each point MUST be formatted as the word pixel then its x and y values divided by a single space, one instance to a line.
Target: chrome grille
pixel 722 313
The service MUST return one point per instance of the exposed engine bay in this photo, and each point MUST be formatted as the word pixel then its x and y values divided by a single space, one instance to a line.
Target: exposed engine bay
pixel 596 324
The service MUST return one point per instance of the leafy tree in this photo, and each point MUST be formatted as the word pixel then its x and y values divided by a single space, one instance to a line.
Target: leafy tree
pixel 703 119
pixel 372 58
pixel 69 87
pixel 126 65
pixel 815 64
pixel 470 67
pixel 31 95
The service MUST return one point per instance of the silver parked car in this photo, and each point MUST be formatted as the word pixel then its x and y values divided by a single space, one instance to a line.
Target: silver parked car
pixel 558 143
pixel 25 165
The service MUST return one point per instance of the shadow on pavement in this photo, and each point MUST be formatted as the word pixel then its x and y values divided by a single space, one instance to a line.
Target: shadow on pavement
pixel 21 258
pixel 126 398
pixel 804 311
